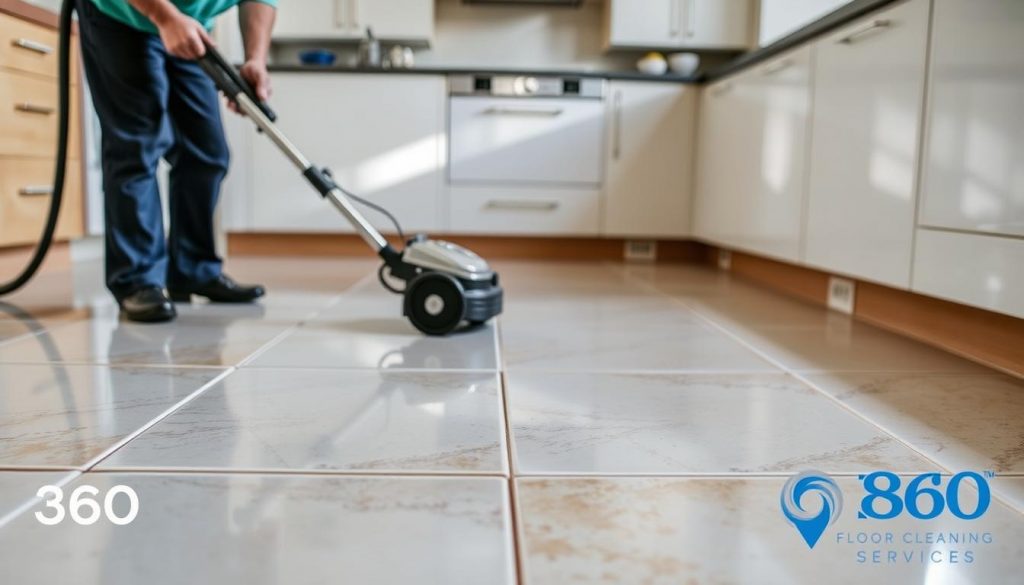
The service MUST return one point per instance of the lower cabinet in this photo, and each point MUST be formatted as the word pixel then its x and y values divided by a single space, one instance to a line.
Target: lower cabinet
pixel 976 269
pixel 381 135
pixel 649 159
pixel 752 151
pixel 868 96
pixel 509 210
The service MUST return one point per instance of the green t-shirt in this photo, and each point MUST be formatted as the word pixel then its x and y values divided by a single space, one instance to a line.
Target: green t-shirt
pixel 202 10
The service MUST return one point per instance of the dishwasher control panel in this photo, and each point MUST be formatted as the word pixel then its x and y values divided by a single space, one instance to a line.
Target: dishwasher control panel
pixel 526 86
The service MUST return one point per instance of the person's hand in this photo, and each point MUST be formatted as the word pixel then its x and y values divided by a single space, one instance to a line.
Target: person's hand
pixel 183 36
pixel 255 72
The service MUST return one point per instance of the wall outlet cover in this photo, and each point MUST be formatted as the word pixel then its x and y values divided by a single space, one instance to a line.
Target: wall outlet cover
pixel 641 250
pixel 842 293
pixel 724 260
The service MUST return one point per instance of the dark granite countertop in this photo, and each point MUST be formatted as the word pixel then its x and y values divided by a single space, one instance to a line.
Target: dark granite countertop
pixel 434 70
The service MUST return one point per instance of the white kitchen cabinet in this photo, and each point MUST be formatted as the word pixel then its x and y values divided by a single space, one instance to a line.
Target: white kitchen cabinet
pixel 973 175
pixel 696 24
pixel 979 270
pixel 649 159
pixel 381 135
pixel 398 20
pixel 779 18
pixel 752 155
pixel 868 98
pixel 524 211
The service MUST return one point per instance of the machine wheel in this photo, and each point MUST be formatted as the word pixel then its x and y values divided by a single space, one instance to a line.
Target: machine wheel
pixel 435 303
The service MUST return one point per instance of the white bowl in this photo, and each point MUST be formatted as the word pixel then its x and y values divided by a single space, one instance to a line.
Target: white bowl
pixel 652 66
pixel 684 63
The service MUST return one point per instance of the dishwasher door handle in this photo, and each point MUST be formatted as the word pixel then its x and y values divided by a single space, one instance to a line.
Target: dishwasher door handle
pixel 522 111
pixel 522 205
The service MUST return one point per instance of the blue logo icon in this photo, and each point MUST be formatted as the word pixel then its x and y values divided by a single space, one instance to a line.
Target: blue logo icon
pixel 811 520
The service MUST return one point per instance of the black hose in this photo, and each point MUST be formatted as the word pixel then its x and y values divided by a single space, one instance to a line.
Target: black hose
pixel 64 89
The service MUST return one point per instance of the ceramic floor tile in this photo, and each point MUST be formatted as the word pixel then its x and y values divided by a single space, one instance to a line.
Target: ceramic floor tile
pixel 962 421
pixel 65 415
pixel 1011 489
pixel 731 531
pixel 12 330
pixel 18 487
pixel 703 423
pixel 275 529
pixel 369 331
pixel 197 340
pixel 579 280
pixel 844 345
pixel 332 419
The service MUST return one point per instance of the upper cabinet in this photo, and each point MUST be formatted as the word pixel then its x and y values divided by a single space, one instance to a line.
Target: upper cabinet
pixel 974 150
pixel 397 20
pixel 648 173
pixel 675 24
pixel 868 97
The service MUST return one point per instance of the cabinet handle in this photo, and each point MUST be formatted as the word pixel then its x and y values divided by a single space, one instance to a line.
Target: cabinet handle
pixel 617 128
pixel 721 89
pixel 340 13
pixel 35 191
pixel 34 109
pixel 522 205
pixel 689 17
pixel 777 67
pixel 875 26
pixel 673 18
pixel 34 46
pixel 506 111
pixel 354 13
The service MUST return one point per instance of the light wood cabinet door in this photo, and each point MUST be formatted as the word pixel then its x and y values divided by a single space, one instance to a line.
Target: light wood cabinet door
pixel 25 189
pixel 868 99
pixel 649 159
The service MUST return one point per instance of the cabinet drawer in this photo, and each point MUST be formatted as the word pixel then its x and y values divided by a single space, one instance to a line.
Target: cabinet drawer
pixel 27 47
pixel 978 270
pixel 525 211
pixel 25 201
pixel 28 116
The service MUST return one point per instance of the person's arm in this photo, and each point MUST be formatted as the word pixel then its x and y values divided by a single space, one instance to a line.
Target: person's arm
pixel 182 35
pixel 256 19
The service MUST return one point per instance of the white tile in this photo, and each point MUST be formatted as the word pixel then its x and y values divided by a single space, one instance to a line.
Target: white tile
pixel 65 415
pixel 963 421
pixel 362 420
pixel 19 487
pixel 731 531
pixel 654 424
pixel 200 340
pixel 259 530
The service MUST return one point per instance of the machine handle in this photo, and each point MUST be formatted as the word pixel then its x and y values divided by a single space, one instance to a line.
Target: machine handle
pixel 34 109
pixel 34 46
pixel 876 25
pixel 35 190
pixel 227 80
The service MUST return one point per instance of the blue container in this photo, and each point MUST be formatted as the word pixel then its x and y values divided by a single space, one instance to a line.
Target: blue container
pixel 321 57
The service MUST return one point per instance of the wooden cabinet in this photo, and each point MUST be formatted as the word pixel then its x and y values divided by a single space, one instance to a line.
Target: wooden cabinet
pixel 868 96
pixel 381 135
pixel 396 20
pixel 696 24
pixel 752 153
pixel 973 175
pixel 28 117
pixel 649 159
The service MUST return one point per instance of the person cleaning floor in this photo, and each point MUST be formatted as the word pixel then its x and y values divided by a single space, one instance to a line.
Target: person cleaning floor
pixel 153 102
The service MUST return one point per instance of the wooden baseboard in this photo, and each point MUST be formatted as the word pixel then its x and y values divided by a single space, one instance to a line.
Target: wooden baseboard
pixel 496 247
pixel 992 339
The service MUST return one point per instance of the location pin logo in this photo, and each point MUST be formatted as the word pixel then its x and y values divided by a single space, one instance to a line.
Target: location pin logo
pixel 818 510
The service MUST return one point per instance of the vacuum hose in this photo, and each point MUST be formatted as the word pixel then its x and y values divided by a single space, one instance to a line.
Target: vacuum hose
pixel 64 89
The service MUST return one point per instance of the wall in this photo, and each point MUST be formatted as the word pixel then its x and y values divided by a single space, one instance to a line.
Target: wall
pixel 781 17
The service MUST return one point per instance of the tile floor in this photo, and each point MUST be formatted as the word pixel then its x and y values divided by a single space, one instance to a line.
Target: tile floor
pixel 618 424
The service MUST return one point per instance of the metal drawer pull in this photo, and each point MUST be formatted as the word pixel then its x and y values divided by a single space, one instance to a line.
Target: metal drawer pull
pixel 522 205
pixel 778 67
pixel 34 109
pixel 617 137
pixel 34 46
pixel 876 25
pixel 551 112
pixel 35 191
pixel 721 89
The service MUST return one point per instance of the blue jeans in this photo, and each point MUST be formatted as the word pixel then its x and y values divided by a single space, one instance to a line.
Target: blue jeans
pixel 151 106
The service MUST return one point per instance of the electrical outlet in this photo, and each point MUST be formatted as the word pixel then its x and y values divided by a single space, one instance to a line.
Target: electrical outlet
pixel 641 250
pixel 841 294
pixel 724 260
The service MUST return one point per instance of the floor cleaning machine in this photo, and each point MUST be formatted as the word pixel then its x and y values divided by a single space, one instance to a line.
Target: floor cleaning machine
pixel 445 285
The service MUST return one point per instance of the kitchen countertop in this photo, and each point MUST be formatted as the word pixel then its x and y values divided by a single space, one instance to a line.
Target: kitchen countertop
pixel 29 12
pixel 435 70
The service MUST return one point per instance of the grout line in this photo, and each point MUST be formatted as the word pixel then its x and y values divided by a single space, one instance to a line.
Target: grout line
pixel 375 369
pixel 34 500
pixel 37 468
pixel 515 518
pixel 453 474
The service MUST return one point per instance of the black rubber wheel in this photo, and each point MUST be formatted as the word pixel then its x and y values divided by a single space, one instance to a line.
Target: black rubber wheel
pixel 435 303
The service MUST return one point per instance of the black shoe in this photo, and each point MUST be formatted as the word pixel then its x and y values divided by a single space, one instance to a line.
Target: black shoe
pixel 148 305
pixel 220 290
